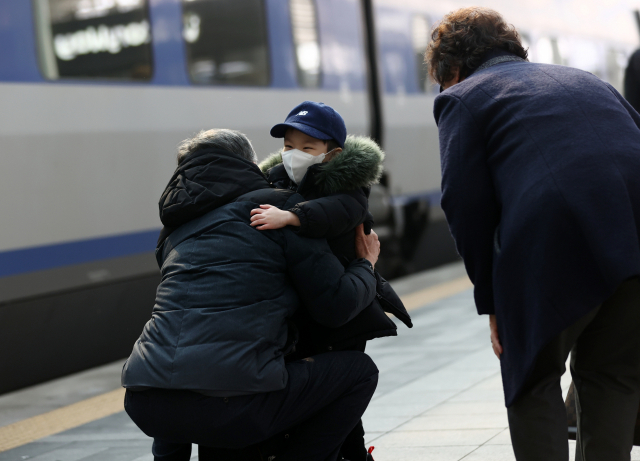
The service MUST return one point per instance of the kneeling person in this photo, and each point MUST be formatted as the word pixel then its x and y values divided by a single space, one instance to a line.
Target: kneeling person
pixel 209 366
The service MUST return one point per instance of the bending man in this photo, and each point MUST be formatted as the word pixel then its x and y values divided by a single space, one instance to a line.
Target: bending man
pixel 540 187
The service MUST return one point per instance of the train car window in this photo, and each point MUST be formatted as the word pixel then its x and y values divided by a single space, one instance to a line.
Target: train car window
pixel 99 39
pixel 226 42
pixel 304 26
pixel 420 39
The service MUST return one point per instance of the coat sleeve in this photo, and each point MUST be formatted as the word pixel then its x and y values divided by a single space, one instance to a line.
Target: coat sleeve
pixel 331 294
pixel 468 196
pixel 329 216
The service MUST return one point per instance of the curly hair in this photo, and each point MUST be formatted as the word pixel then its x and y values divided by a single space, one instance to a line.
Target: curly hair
pixel 463 37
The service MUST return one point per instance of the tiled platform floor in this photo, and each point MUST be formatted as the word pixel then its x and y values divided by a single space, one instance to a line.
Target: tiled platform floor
pixel 439 399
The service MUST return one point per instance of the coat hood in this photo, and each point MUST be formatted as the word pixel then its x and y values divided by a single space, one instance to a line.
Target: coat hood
pixel 210 179
pixel 358 165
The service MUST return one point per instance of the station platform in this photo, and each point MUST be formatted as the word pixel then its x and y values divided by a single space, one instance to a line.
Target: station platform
pixel 439 396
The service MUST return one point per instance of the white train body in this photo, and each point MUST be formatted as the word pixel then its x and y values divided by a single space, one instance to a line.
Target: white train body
pixel 96 94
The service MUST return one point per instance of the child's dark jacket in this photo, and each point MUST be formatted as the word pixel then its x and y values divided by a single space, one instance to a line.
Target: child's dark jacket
pixel 337 202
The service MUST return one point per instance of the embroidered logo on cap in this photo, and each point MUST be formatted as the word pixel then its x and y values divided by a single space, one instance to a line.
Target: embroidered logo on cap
pixel 302 112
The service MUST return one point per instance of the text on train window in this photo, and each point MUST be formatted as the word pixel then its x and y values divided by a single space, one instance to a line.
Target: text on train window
pixel 304 26
pixel 226 41
pixel 105 39
pixel 420 40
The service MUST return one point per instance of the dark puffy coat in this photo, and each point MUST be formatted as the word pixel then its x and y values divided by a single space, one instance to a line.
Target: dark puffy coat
pixel 336 202
pixel 540 186
pixel 220 322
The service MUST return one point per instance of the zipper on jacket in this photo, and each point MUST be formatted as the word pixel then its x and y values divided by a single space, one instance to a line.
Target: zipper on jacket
pixel 388 306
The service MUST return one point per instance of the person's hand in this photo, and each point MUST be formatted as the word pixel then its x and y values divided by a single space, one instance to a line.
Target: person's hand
pixel 367 246
pixel 270 217
pixel 495 338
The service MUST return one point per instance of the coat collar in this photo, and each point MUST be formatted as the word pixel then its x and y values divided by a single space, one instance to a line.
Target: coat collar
pixel 494 57
pixel 491 58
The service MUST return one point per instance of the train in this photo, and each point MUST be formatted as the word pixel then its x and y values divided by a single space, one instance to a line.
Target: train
pixel 96 94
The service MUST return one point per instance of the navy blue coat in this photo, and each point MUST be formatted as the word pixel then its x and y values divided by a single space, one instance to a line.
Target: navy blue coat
pixel 541 189
pixel 220 320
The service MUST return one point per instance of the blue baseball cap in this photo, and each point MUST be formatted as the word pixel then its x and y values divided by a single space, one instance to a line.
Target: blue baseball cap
pixel 314 119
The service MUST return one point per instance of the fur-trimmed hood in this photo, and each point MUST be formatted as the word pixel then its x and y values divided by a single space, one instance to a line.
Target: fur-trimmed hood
pixel 358 165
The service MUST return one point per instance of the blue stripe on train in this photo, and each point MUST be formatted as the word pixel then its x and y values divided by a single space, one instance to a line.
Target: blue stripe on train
pixel 32 259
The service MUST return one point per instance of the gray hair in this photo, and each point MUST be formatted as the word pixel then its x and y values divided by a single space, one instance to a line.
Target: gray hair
pixel 230 140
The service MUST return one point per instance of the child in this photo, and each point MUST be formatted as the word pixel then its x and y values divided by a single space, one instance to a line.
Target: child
pixel 334 174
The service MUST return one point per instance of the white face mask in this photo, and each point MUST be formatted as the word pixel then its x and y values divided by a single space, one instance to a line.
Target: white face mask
pixel 296 163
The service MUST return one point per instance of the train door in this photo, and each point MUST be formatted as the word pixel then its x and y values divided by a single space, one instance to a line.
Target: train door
pixel 409 131
pixel 339 55
pixel 410 135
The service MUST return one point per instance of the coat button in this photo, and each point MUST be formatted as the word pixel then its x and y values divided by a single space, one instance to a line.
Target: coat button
pixel 225 400
pixel 330 348
pixel 286 436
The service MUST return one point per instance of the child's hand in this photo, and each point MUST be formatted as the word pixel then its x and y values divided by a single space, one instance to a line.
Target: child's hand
pixel 271 217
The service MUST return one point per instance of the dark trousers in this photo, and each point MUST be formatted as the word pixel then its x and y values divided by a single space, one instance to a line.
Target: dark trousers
pixel 353 448
pixel 605 365
pixel 324 399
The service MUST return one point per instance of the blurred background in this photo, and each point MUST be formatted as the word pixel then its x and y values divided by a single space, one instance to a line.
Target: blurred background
pixel 95 95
